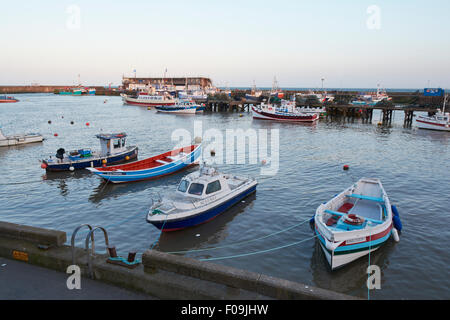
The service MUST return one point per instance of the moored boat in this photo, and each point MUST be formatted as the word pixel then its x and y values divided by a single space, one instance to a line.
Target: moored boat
pixel 354 223
pixel 18 139
pixel 151 168
pixel 113 151
pixel 147 100
pixel 286 112
pixel 439 121
pixel 200 197
pixel 182 106
pixel 8 99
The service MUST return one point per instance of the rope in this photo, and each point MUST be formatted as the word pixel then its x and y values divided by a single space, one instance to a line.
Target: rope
pixel 258 252
pixel 368 274
pixel 159 237
pixel 244 241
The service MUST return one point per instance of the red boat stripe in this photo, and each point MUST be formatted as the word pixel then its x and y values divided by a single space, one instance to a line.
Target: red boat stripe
pixel 432 123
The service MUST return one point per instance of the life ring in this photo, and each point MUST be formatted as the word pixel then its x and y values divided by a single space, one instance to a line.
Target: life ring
pixel 354 220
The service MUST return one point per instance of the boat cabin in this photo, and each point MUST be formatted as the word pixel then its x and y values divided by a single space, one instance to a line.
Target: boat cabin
pixel 202 184
pixel 112 143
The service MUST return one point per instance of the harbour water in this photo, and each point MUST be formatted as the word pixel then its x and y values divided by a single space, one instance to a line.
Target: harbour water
pixel 412 164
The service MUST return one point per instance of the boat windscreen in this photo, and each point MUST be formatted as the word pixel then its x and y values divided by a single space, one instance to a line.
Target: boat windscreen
pixel 184 184
pixel 196 189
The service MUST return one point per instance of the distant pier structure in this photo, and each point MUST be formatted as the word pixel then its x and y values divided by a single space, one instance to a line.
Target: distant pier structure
pixel 175 84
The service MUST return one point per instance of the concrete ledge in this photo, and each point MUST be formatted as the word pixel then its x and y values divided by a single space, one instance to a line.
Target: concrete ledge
pixel 40 236
pixel 237 278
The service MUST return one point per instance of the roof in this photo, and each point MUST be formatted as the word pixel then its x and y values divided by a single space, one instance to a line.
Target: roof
pixel 109 136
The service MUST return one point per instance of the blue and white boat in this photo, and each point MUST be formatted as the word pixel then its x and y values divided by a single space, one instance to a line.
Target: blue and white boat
pixel 113 150
pixel 354 223
pixel 200 197
pixel 182 106
pixel 151 168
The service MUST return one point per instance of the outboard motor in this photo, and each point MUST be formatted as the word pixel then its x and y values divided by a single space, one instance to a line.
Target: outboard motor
pixel 60 153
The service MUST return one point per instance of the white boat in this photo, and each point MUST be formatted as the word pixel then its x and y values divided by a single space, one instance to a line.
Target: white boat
pixel 144 99
pixel 372 99
pixel 440 121
pixel 200 197
pixel 286 112
pixel 6 141
pixel 357 221
pixel 192 95
pixel 181 106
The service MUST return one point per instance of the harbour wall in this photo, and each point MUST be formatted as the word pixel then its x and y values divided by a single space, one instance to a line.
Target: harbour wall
pixel 160 274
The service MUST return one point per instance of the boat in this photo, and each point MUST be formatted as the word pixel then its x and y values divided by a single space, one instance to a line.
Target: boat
pixel 354 223
pixel 182 106
pixel 371 99
pixel 8 99
pixel 113 150
pixel 151 168
pixel 439 121
pixel 78 91
pixel 200 197
pixel 321 97
pixel 15 140
pixel 287 112
pixel 254 95
pixel 147 100
pixel 200 108
pixel 192 95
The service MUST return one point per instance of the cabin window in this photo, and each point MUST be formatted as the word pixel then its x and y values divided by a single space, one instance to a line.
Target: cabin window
pixel 116 144
pixel 213 187
pixel 184 184
pixel 196 189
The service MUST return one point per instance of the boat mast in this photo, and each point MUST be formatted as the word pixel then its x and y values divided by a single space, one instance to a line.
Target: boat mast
pixel 445 100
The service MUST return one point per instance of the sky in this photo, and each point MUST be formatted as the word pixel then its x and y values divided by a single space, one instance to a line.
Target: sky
pixel 348 43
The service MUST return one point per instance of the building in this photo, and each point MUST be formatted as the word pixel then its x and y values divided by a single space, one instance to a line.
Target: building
pixel 175 84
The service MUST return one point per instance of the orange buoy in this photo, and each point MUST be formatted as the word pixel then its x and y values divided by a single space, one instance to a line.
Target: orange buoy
pixel 127 158
pixel 104 161
pixel 44 166
pixel 104 165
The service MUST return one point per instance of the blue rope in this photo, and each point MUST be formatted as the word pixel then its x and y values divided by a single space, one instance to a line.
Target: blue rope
pixel 258 252
pixel 162 228
pixel 241 242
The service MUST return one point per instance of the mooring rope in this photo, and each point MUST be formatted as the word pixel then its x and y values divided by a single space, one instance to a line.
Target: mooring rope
pixel 258 252
pixel 159 237
pixel 242 242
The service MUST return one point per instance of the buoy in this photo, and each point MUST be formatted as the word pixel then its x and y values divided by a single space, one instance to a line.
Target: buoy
pixel 49 121
pixel 104 161
pixel 87 123
pixel 213 153
pixel 127 158
pixel 71 122
pixel 395 235
pixel 55 134
pixel 71 168
pixel 104 165
pixel 44 166
pixel 379 124
pixel 396 219
pixel 62 117
pixel 263 162
pixel 241 115
pixel 346 167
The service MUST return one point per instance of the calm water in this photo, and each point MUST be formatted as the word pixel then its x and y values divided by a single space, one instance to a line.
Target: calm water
pixel 412 164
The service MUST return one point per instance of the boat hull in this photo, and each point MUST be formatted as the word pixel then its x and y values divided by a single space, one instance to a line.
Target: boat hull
pixel 430 125
pixel 8 101
pixel 258 114
pixel 14 141
pixel 204 216
pixel 138 102
pixel 176 110
pixel 92 161
pixel 120 176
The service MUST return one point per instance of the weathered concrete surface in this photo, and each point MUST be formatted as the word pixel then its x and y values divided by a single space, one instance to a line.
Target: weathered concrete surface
pixel 255 282
pixel 160 275
pixel 20 281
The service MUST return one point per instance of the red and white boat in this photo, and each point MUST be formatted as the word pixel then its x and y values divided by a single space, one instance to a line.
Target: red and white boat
pixel 287 112
pixel 7 99
pixel 146 100
pixel 440 121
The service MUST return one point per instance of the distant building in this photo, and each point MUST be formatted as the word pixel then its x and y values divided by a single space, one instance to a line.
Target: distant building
pixel 176 84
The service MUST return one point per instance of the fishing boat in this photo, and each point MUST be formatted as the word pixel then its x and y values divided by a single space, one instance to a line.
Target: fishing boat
pixel 254 95
pixel 15 140
pixel 78 91
pixel 200 108
pixel 182 106
pixel 200 197
pixel 287 112
pixel 113 150
pixel 192 95
pixel 146 100
pixel 321 97
pixel 371 99
pixel 439 121
pixel 151 168
pixel 8 99
pixel 354 223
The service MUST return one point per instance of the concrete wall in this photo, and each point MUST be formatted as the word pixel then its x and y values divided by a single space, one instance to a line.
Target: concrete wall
pixel 160 275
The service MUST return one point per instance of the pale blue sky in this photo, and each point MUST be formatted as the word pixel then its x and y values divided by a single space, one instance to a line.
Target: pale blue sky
pixel 233 42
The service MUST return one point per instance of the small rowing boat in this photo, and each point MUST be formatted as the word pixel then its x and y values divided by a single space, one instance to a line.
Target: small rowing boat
pixel 151 168
pixel 354 223
pixel 200 197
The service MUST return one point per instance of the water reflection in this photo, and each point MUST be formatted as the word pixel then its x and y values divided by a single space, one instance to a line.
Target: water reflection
pixel 204 235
